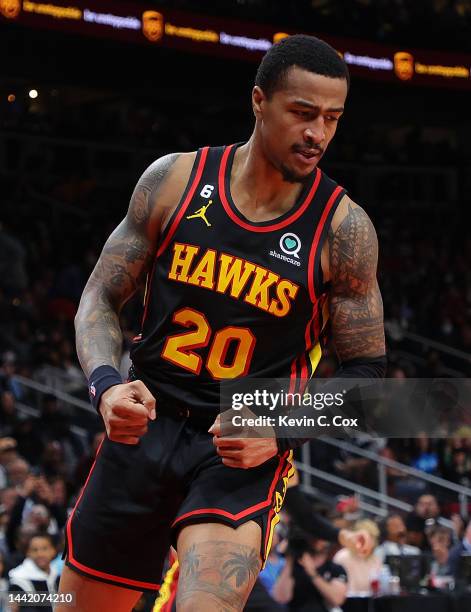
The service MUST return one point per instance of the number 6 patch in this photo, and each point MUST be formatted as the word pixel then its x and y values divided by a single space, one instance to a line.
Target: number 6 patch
pixel 207 191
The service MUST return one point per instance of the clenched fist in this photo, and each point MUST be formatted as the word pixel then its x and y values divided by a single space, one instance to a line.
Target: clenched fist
pixel 126 410
pixel 243 447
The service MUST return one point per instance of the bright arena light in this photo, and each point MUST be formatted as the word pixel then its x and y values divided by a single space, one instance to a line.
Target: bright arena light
pixel 33 93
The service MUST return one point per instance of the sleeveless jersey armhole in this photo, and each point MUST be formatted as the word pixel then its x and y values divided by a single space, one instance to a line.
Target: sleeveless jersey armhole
pixel 317 286
pixel 191 186
pixel 167 234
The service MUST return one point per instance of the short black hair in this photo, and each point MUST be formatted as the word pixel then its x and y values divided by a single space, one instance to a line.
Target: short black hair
pixel 306 52
pixel 45 535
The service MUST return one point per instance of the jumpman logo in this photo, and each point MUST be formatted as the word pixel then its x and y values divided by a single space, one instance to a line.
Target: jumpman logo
pixel 201 213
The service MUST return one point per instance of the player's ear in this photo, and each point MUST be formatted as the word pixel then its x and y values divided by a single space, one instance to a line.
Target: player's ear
pixel 257 98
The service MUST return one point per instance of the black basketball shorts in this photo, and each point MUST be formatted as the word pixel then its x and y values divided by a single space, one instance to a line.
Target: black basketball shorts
pixel 137 498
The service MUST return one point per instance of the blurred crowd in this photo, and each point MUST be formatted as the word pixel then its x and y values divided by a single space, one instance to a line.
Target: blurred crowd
pixel 395 21
pixel 404 552
pixel 449 458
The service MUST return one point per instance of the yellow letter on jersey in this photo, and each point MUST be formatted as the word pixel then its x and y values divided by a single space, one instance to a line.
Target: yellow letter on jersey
pixel 203 274
pixel 231 274
pixel 285 290
pixel 260 290
pixel 183 255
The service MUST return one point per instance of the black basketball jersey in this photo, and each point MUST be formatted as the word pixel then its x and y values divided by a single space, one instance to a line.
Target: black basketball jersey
pixel 228 297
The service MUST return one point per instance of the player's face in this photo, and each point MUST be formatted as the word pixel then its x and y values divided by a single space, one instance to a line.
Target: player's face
pixel 298 122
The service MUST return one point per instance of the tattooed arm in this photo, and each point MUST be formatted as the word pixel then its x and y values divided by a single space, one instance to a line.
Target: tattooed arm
pixel 120 271
pixel 349 260
pixel 356 308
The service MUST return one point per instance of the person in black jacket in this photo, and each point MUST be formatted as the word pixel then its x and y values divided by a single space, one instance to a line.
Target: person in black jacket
pixel 310 582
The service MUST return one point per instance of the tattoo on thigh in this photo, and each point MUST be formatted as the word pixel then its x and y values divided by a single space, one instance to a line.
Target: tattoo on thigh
pixel 221 572
pixel 190 562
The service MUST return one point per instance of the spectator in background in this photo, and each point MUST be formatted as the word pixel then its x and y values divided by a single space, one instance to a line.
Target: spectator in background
pixel 39 519
pixel 426 456
pixel 395 538
pixel 440 542
pixel 5 511
pixel 7 373
pixel 59 493
pixel 58 562
pixel 17 552
pixel 459 524
pixel 3 584
pixel 360 469
pixel 28 437
pixel 35 573
pixel 18 471
pixel 459 468
pixel 261 598
pixel 56 428
pixel 426 513
pixel 394 475
pixel 309 582
pixel 4 518
pixel 275 561
pixel 361 567
pixel 52 416
pixel 34 497
pixel 463 547
pixel 8 498
pixel 7 455
pixel 53 461
pixel 8 415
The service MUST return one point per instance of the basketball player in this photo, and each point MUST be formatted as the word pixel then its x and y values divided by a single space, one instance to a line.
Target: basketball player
pixel 245 251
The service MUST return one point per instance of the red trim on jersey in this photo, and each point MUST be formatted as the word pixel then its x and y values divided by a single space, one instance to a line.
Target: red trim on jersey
pixel 315 242
pixel 292 382
pixel 105 576
pixel 146 304
pixel 174 225
pixel 261 228
pixel 242 513
pixel 304 374
pixel 184 206
pixel 307 334
pixel 267 535
pixel 85 568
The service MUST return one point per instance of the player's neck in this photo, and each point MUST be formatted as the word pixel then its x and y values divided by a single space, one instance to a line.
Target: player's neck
pixel 257 184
